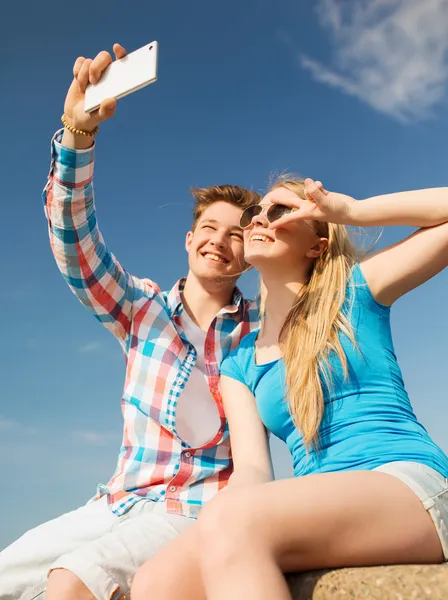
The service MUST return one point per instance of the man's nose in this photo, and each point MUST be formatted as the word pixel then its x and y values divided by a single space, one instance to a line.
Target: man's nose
pixel 218 240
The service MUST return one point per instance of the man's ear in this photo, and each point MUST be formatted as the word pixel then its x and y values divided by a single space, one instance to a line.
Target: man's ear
pixel 318 248
pixel 188 240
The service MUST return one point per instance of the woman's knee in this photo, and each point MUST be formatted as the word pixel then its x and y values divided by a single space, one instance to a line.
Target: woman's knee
pixel 227 526
pixel 151 580
pixel 141 583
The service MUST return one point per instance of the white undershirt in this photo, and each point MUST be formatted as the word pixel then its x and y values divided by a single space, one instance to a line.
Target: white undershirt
pixel 197 418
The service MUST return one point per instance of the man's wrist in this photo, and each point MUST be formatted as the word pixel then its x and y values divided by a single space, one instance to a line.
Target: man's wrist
pixel 71 166
pixel 76 142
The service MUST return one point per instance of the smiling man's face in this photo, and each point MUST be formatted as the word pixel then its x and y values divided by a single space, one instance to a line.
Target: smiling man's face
pixel 215 247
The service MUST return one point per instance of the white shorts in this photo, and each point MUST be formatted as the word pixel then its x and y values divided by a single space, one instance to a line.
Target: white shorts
pixel 104 551
pixel 432 489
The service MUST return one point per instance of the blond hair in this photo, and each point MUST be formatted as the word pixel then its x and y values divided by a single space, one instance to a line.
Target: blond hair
pixel 312 327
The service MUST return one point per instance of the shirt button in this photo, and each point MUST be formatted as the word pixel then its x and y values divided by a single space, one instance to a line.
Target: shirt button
pixel 172 488
pixel 187 454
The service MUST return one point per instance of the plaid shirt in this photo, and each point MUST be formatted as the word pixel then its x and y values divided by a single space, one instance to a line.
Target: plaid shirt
pixel 153 463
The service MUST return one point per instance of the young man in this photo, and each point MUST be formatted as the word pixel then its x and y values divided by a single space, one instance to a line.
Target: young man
pixel 175 454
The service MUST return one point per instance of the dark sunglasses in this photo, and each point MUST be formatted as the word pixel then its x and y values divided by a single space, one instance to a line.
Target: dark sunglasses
pixel 273 213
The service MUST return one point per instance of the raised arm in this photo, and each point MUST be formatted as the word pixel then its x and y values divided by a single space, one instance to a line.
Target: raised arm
pixel 417 208
pixel 248 437
pixel 90 269
pixel 398 269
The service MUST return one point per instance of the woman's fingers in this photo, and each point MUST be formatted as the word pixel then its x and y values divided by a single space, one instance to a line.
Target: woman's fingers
pixel 314 191
pixel 320 185
pixel 300 214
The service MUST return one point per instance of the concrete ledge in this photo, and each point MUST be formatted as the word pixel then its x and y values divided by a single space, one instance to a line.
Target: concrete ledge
pixel 398 582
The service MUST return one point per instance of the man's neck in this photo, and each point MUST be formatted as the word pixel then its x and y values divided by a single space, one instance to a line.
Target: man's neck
pixel 204 299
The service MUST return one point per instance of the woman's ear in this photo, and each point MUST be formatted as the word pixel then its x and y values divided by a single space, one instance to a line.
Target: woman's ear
pixel 318 248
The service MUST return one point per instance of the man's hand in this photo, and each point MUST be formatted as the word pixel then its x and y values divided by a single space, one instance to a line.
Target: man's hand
pixel 85 71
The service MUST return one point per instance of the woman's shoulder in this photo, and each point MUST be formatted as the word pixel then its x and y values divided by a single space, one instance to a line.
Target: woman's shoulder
pixel 358 291
pixel 242 355
pixel 246 347
pixel 248 341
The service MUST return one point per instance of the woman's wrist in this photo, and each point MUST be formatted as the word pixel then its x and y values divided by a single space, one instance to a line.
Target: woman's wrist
pixel 354 214
pixel 245 477
pixel 371 212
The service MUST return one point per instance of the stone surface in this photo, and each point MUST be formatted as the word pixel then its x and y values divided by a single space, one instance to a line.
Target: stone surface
pixel 398 582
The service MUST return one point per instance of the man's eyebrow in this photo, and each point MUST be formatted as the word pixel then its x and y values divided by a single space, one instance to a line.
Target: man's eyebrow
pixel 215 222
pixel 219 223
pixel 210 221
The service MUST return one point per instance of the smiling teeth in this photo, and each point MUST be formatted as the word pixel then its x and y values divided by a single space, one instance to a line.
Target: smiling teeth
pixel 260 238
pixel 214 257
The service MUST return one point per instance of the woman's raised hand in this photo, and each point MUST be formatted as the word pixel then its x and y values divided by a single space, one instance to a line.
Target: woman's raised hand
pixel 319 205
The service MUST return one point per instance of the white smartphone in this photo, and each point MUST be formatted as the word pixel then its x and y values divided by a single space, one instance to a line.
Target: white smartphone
pixel 124 76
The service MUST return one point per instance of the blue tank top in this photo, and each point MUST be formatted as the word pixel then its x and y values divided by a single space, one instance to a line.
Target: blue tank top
pixel 368 419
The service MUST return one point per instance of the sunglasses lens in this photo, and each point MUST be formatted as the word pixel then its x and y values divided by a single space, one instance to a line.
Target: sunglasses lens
pixel 276 211
pixel 248 214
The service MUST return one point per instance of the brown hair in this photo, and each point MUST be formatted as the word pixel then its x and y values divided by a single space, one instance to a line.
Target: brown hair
pixel 233 194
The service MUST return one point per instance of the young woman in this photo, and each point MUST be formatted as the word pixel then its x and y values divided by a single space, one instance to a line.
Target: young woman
pixel 370 485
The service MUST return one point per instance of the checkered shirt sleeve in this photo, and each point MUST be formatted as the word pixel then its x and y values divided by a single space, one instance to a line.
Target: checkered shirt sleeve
pixel 90 269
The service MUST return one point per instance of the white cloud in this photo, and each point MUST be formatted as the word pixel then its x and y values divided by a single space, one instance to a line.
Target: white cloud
pixel 13 426
pixel 6 424
pixel 391 54
pixel 90 347
pixel 95 438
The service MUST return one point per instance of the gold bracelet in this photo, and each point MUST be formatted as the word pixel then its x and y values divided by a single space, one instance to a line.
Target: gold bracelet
pixel 78 131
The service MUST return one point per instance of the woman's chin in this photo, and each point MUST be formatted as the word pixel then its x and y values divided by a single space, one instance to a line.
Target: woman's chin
pixel 257 259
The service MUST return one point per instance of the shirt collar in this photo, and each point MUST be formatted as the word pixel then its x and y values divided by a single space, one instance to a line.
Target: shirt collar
pixel 174 299
pixel 175 305
pixel 236 305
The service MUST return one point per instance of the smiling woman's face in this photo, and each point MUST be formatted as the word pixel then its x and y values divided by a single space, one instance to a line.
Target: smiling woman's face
pixel 286 246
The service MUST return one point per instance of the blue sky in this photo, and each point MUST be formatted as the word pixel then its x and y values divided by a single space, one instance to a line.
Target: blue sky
pixel 350 93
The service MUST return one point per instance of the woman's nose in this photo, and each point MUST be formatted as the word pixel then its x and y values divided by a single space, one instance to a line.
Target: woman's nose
pixel 260 219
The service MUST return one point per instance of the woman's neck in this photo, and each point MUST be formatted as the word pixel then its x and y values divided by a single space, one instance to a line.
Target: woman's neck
pixel 280 295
